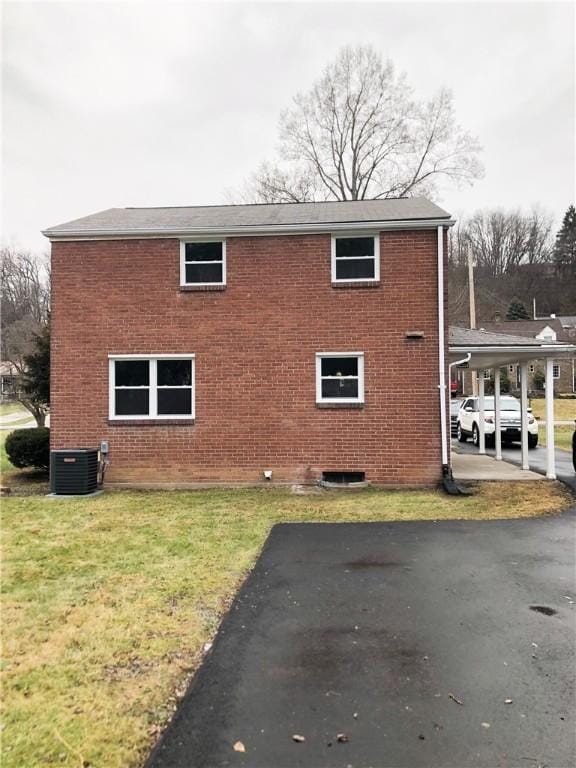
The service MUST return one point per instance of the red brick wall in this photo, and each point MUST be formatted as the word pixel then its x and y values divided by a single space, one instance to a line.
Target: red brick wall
pixel 255 345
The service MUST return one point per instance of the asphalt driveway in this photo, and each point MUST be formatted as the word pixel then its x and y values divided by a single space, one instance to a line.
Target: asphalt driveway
pixel 418 643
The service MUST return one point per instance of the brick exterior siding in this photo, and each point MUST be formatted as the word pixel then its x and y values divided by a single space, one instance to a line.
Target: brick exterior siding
pixel 255 345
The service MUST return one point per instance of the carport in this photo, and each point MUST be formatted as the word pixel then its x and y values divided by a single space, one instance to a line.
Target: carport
pixel 481 351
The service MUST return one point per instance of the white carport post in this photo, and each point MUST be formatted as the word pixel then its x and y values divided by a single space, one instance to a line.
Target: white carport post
pixel 481 421
pixel 550 452
pixel 524 414
pixel 497 430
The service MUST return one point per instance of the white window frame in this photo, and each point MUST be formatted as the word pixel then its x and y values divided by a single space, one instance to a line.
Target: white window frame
pixel 531 368
pixel 153 414
pixel 487 374
pixel 343 236
pixel 183 262
pixel 319 357
pixel 555 370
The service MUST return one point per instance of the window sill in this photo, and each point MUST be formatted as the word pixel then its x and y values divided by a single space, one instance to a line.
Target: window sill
pixel 151 422
pixel 202 288
pixel 338 406
pixel 347 284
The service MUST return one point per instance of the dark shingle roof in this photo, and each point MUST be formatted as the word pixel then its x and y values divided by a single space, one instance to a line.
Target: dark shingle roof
pixel 134 221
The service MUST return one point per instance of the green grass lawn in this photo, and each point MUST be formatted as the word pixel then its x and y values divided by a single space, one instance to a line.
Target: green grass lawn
pixel 107 601
pixel 5 465
pixel 562 437
pixel 8 408
pixel 564 408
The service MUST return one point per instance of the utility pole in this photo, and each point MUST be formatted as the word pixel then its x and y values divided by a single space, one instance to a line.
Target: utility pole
pixel 471 297
pixel 472 304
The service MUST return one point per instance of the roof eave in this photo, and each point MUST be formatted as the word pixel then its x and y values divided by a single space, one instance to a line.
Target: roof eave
pixel 513 347
pixel 245 231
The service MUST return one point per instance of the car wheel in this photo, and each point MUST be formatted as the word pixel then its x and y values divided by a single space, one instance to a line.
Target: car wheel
pixel 460 435
pixel 532 441
pixel 475 435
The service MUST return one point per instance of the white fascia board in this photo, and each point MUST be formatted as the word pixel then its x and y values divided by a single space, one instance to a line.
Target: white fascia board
pixel 546 350
pixel 248 231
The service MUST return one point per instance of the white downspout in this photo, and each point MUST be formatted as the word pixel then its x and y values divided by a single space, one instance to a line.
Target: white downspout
pixel 441 349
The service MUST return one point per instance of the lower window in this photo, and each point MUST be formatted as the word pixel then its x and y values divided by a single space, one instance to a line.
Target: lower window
pixel 340 377
pixel 151 387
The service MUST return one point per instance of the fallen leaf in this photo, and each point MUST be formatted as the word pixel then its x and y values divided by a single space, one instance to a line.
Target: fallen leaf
pixel 355 715
pixel 299 739
pixel 507 701
pixel 485 725
pixel 342 738
pixel 451 696
pixel 239 747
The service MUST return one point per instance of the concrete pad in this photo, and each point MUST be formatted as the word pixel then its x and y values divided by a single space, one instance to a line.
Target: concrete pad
pixel 475 467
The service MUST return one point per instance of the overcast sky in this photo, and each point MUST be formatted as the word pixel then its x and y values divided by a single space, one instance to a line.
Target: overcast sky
pixel 132 104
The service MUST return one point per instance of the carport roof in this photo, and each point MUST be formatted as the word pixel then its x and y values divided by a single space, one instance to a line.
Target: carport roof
pixel 488 349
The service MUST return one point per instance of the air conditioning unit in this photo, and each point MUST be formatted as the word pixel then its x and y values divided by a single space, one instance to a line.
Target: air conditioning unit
pixel 74 471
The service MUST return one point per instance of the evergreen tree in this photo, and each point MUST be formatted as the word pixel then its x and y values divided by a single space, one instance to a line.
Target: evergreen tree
pixel 565 247
pixel 517 311
pixel 35 394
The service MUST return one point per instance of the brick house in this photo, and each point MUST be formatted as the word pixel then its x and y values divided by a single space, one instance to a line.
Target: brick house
pixel 216 344
pixel 544 329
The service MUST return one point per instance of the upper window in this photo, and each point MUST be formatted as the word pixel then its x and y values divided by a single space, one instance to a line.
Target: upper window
pixel 144 387
pixel 203 263
pixel 339 377
pixel 355 259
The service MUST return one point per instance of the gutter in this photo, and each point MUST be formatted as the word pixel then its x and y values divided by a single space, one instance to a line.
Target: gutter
pixel 243 231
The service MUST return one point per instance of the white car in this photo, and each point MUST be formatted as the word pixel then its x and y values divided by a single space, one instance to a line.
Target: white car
pixel 510 412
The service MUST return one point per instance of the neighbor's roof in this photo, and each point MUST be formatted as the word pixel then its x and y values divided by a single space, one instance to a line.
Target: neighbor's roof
pixel 257 218
pixel 470 337
pixel 529 328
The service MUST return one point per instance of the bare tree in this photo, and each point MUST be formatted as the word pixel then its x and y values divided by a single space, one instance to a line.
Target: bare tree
pixel 502 241
pixel 359 133
pixel 25 295
pixel 512 252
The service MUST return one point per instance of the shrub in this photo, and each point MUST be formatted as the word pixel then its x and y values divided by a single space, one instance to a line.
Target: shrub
pixel 505 384
pixel 29 448
pixel 538 379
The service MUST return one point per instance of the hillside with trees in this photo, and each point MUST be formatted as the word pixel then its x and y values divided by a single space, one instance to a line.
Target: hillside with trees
pixel 516 260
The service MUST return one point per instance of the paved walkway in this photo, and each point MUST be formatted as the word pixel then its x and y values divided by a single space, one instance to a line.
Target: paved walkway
pixel 468 466
pixel 536 457
pixel 417 642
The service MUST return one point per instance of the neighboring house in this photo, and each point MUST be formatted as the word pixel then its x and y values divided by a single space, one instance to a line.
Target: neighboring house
pixel 550 329
pixel 9 381
pixel 214 344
